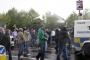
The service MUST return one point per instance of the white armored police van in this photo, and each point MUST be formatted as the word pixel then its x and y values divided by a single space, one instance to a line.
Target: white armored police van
pixel 81 32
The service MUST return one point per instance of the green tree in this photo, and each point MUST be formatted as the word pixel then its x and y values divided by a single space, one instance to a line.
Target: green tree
pixel 70 20
pixel 4 19
pixel 33 13
pixel 86 14
pixel 22 18
pixel 37 23
pixel 51 20
pixel 12 13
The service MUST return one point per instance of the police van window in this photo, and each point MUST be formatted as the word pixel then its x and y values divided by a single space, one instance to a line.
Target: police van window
pixel 89 27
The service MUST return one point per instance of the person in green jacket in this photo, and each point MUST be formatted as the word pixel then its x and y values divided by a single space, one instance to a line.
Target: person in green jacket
pixel 41 37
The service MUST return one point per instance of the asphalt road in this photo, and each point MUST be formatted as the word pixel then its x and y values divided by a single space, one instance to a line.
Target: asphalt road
pixel 33 51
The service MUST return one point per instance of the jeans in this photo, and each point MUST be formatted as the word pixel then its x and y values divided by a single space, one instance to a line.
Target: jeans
pixel 66 53
pixel 63 49
pixel 41 53
pixel 59 49
pixel 46 46
pixel 33 42
pixel 9 53
pixel 26 51
pixel 21 50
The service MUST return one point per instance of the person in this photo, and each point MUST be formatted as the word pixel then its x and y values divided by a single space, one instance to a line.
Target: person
pixel 67 43
pixel 14 34
pixel 49 38
pixel 34 37
pixel 41 37
pixel 27 38
pixel 1 35
pixel 63 44
pixel 20 41
pixel 6 42
pixel 57 39
pixel 46 41
pixel 52 36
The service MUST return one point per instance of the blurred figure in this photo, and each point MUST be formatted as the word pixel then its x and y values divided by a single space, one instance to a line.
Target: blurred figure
pixel 14 34
pixel 1 35
pixel 67 42
pixel 27 38
pixel 52 36
pixel 46 37
pixel 6 42
pixel 21 40
pixel 49 38
pixel 57 38
pixel 34 37
pixel 63 44
pixel 41 37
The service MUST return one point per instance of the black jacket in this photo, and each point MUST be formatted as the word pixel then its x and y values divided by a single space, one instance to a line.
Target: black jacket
pixel 5 41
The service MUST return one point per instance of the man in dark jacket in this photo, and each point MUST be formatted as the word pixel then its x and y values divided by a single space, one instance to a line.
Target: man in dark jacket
pixel 5 41
pixel 63 43
pixel 57 38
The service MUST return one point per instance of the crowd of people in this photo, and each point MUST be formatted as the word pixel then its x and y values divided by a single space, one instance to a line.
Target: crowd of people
pixel 25 38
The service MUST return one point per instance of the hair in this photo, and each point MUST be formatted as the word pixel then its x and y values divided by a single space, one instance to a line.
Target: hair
pixel 63 29
pixel 7 32
pixel 20 29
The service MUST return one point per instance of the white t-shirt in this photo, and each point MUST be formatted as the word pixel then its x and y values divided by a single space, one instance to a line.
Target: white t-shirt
pixel 15 33
pixel 53 33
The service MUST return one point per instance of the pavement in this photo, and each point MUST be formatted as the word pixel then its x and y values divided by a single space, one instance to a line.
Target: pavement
pixel 50 55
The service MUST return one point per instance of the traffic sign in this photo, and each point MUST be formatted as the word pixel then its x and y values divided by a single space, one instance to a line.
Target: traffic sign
pixel 2 50
pixel 79 5
pixel 2 53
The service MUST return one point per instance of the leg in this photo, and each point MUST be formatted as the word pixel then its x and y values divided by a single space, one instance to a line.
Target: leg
pixel 39 53
pixel 59 51
pixel 20 50
pixel 42 56
pixel 65 53
pixel 38 56
pixel 26 48
pixel 42 51
pixel 9 52
pixel 26 51
pixel 46 47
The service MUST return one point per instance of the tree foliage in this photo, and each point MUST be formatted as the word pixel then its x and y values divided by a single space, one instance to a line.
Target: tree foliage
pixel 70 20
pixel 20 19
pixel 51 20
pixel 86 14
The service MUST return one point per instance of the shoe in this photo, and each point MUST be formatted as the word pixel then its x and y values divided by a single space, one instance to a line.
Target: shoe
pixel 28 54
pixel 25 55
pixel 37 58
pixel 22 56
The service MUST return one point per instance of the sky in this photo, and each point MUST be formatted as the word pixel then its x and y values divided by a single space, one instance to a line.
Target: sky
pixel 62 8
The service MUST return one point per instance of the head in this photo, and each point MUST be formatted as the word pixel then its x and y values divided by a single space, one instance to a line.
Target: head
pixel 21 29
pixel 46 29
pixel 7 32
pixel 24 28
pixel 2 30
pixel 42 28
pixel 64 29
